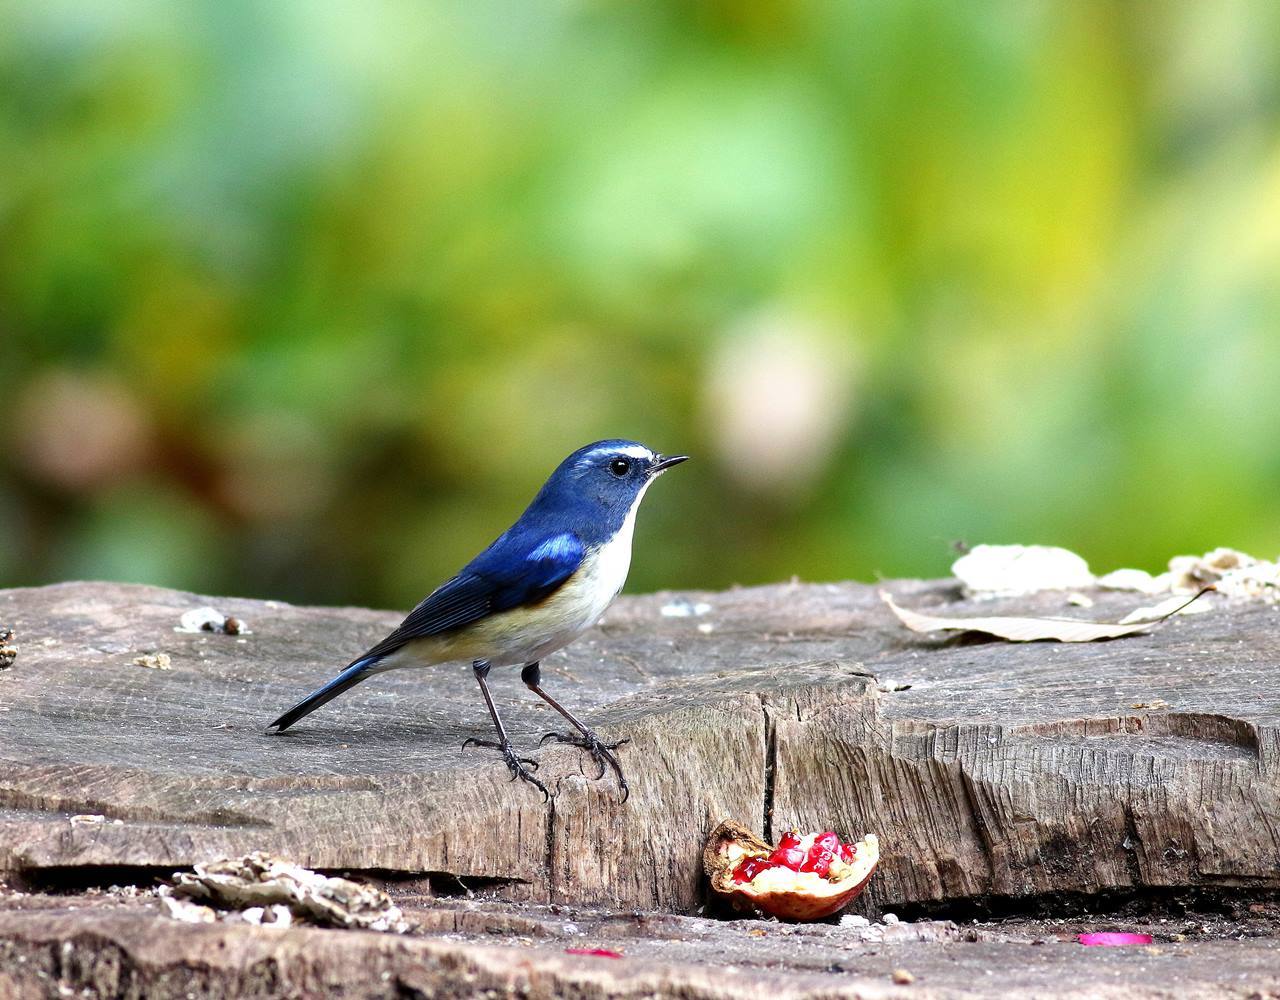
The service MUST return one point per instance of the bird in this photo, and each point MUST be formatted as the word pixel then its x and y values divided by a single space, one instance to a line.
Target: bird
pixel 541 584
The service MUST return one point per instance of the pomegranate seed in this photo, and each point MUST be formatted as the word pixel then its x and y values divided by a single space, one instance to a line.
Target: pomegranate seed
pixel 847 853
pixel 788 857
pixel 817 862
pixel 790 839
pixel 827 841
pixel 749 868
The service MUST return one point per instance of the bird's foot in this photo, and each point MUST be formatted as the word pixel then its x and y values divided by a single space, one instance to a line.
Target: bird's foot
pixel 515 763
pixel 601 753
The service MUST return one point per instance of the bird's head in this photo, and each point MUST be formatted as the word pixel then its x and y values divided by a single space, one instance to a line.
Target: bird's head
pixel 612 473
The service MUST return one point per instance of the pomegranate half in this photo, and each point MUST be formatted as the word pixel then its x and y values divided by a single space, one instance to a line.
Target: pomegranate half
pixel 805 877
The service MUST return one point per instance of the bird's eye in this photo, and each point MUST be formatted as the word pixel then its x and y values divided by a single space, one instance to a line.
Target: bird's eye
pixel 619 467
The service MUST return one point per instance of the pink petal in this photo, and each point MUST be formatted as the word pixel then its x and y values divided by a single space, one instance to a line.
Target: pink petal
pixel 1112 939
pixel 601 952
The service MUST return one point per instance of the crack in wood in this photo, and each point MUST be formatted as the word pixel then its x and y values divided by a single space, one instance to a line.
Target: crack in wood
pixel 1132 842
pixel 1139 902
pixel 770 768
pixel 550 863
pixel 58 880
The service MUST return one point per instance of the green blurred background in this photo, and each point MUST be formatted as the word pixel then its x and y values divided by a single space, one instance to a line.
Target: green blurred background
pixel 305 299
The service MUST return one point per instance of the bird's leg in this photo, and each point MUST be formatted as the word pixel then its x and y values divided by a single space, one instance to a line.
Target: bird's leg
pixel 503 745
pixel 601 752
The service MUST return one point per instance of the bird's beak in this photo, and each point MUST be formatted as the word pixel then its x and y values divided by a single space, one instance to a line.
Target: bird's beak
pixel 663 464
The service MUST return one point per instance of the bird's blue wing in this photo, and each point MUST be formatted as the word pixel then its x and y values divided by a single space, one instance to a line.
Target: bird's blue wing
pixel 534 577
pixel 513 571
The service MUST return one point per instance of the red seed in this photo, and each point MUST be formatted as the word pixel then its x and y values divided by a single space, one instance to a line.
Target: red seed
pixel 827 841
pixel 847 853
pixel 817 862
pixel 749 868
pixel 788 857
pixel 790 839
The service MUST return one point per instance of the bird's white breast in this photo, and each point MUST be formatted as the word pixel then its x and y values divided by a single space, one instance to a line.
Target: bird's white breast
pixel 577 604
pixel 609 564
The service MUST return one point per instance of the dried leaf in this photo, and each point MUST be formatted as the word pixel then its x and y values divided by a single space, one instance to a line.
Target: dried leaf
pixel 1235 574
pixel 1017 629
pixel 1178 604
pixel 1014 570
pixel 1135 579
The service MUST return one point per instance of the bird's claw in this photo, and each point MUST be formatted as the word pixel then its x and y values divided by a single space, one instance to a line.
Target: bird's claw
pixel 586 742
pixel 515 763
pixel 601 753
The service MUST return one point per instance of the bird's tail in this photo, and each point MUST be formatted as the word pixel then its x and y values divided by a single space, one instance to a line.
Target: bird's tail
pixel 350 677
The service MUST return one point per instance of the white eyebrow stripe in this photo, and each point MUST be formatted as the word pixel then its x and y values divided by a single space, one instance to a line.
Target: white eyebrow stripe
pixel 634 451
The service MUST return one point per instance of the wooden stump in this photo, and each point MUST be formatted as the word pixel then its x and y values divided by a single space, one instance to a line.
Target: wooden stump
pixel 988 770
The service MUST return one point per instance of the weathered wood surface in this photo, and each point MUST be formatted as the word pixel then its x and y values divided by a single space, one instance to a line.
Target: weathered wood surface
pixel 987 770
pixel 102 947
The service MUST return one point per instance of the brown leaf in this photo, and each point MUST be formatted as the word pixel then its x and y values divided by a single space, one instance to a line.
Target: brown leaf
pixel 1017 629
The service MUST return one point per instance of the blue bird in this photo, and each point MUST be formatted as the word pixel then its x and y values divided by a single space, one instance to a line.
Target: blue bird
pixel 545 580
